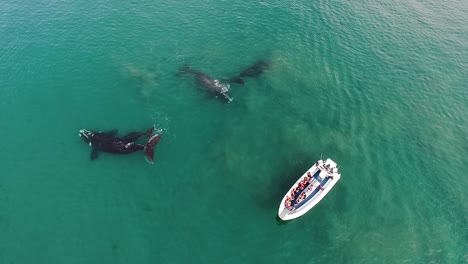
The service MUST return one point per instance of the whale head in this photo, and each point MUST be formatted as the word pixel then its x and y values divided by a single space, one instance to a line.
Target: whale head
pixel 86 135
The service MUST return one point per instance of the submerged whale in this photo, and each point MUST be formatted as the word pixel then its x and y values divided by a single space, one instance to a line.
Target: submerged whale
pixel 253 71
pixel 211 85
pixel 111 143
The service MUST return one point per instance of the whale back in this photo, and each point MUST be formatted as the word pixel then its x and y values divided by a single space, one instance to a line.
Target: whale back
pixel 255 70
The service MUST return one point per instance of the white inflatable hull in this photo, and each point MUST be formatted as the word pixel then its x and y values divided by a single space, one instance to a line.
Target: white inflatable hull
pixel 314 194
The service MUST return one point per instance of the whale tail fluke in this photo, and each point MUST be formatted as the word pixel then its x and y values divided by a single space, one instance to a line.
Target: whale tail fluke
pixel 150 146
pixel 184 69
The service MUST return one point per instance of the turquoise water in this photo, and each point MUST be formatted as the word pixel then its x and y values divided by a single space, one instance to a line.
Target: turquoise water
pixel 379 86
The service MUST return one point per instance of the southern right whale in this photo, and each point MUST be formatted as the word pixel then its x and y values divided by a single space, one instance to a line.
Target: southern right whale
pixel 110 142
pixel 211 85
pixel 253 71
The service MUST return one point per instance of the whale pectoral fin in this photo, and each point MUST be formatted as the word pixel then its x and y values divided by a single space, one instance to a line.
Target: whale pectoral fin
pixel 94 154
pixel 113 132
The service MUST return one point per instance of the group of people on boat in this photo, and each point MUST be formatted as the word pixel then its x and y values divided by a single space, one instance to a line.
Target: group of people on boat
pixel 301 198
pixel 289 202
pixel 293 200
pixel 309 189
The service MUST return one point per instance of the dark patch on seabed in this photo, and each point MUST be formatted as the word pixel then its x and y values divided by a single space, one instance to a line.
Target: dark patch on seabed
pixel 115 246
pixel 148 208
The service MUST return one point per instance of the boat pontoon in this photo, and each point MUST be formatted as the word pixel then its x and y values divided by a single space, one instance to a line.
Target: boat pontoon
pixel 310 189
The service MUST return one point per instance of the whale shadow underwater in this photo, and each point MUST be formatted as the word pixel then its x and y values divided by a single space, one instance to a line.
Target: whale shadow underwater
pixel 109 142
pixel 209 84
pixel 252 71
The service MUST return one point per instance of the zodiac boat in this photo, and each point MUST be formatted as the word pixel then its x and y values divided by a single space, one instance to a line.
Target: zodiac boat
pixel 309 189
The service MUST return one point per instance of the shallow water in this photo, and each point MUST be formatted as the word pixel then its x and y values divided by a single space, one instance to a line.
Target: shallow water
pixel 378 86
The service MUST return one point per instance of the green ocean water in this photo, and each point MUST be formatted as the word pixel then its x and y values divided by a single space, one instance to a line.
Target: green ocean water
pixel 381 87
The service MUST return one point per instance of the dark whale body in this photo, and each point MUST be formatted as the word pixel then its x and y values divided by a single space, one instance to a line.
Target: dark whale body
pixel 109 142
pixel 253 71
pixel 209 84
